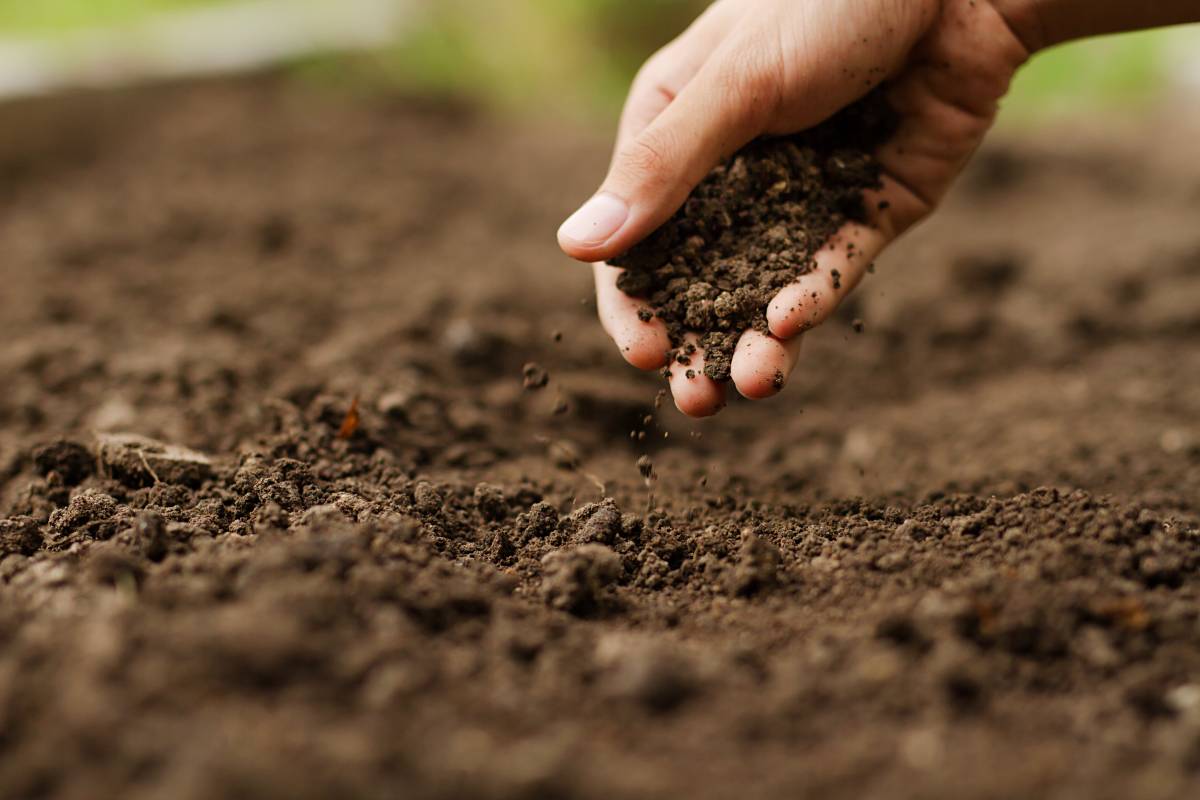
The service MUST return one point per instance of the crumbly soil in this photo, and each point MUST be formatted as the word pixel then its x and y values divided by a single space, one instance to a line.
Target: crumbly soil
pixel 752 227
pixel 958 557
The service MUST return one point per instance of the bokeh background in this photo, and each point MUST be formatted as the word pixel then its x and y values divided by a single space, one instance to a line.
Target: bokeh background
pixel 571 56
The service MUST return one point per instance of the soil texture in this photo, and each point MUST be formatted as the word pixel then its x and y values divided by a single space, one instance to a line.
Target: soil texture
pixel 279 516
pixel 752 227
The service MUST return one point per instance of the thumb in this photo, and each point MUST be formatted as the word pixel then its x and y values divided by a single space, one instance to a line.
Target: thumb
pixel 722 108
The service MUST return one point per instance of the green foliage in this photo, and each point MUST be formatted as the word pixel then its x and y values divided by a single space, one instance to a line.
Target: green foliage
pixel 569 52
pixel 55 16
pixel 1092 74
pixel 581 54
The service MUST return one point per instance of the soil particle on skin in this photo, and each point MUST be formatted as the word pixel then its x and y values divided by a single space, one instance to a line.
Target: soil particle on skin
pixel 752 227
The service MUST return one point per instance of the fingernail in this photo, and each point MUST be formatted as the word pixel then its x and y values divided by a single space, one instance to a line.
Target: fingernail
pixel 596 222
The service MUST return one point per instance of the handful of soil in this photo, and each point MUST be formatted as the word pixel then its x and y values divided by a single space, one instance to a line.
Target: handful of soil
pixel 752 227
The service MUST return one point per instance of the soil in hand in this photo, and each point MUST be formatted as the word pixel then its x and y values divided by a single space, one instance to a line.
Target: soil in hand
pixel 752 227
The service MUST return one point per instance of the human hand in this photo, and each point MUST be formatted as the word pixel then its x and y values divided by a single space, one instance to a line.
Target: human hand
pixel 748 68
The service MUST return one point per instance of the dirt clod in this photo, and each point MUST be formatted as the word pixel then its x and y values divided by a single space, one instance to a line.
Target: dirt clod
pixel 757 567
pixel 579 579
pixel 20 535
pixel 71 460
pixel 140 461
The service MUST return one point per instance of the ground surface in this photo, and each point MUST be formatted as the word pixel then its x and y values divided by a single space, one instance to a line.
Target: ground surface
pixel 957 557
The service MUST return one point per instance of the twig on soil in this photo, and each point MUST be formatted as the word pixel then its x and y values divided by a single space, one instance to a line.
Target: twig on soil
pixel 149 469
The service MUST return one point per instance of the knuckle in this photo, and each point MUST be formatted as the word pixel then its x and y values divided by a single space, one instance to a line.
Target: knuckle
pixel 659 75
pixel 654 72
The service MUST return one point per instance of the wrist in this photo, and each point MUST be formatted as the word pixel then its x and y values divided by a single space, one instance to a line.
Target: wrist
pixel 1044 23
pixel 1024 18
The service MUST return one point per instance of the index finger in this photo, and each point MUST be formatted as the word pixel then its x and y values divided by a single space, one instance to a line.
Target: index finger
pixel 668 71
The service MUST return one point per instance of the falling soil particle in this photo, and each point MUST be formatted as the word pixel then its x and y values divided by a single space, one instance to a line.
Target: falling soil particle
pixel 645 467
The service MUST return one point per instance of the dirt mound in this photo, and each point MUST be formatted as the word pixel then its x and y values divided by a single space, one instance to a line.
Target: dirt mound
pixel 958 558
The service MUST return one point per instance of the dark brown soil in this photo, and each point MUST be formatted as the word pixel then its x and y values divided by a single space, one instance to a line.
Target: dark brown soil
pixel 752 227
pixel 958 558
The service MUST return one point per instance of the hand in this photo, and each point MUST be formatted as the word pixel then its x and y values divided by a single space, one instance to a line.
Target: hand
pixel 747 68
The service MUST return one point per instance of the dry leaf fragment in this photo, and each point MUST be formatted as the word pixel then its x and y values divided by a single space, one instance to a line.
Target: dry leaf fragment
pixel 350 423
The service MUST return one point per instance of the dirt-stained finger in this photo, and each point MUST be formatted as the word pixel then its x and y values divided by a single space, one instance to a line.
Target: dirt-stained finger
pixel 696 394
pixel 641 337
pixel 840 266
pixel 762 363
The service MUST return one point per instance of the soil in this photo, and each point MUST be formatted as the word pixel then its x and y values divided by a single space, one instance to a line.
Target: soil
pixel 752 227
pixel 958 557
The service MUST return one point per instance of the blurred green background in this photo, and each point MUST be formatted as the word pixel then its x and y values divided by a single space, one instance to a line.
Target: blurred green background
pixel 581 53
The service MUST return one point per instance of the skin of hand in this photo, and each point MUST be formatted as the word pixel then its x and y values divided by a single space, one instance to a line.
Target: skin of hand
pixel 748 68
